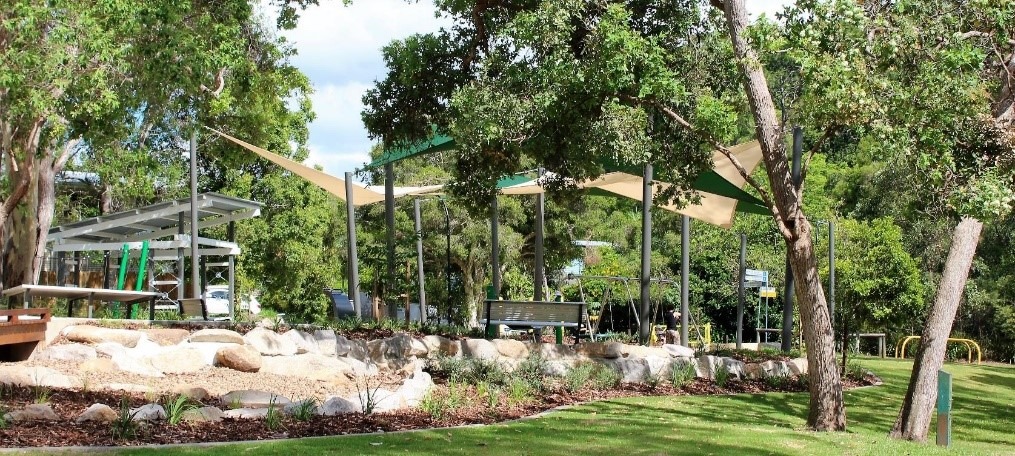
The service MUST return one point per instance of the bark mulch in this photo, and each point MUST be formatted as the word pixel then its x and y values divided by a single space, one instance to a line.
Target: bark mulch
pixel 68 404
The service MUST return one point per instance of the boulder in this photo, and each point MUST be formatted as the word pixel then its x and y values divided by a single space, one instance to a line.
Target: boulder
pixel 754 370
pixel 777 368
pixel 658 366
pixel 595 350
pixel 194 393
pixel 217 335
pixel 480 349
pixel 640 351
pixel 270 343
pixel 338 405
pixel 613 350
pixel 209 350
pixel 438 345
pixel 166 336
pixel 383 400
pixel 352 348
pixel 418 348
pixel 679 350
pixel 558 367
pixel 632 370
pixel 553 351
pixel 511 348
pixel 246 413
pixel 67 352
pixel 304 341
pixel 33 412
pixel 100 413
pixel 36 376
pixel 253 399
pixel 415 388
pixel 139 366
pixel 148 412
pixel 146 348
pixel 326 340
pixel 128 387
pixel 202 415
pixel 706 365
pixel 798 366
pixel 179 361
pixel 97 365
pixel 734 367
pixel 95 335
pixel 392 351
pixel 307 366
pixel 110 349
pixel 239 357
pixel 359 367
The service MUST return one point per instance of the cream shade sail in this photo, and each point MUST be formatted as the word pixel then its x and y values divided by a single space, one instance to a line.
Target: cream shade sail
pixel 361 194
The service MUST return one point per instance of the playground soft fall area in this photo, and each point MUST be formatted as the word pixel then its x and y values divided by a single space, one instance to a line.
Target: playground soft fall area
pixel 652 227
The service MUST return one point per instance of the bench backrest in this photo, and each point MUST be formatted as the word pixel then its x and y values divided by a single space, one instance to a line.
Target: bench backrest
pixel 34 316
pixel 536 313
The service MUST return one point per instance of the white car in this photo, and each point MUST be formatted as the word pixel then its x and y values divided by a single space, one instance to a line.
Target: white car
pixel 216 301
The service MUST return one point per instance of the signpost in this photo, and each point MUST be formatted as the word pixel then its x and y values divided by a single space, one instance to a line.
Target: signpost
pixel 944 408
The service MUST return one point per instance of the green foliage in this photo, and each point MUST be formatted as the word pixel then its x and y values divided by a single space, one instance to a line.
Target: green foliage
pixel 452 368
pixel 578 376
pixel 176 408
pixel 273 419
pixel 681 373
pixel 518 391
pixel 123 427
pixel 721 374
pixel 532 372
pixel 484 370
pixel 605 377
pixel 305 410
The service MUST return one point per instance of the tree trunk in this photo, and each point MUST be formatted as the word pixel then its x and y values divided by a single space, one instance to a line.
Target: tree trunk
pixel 914 418
pixel 827 412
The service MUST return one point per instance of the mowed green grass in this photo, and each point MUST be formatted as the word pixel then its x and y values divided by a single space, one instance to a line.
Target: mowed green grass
pixel 768 424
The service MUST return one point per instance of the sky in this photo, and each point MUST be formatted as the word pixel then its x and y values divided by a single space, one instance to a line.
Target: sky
pixel 339 49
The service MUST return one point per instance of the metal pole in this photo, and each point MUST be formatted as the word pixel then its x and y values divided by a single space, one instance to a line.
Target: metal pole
pixel 231 233
pixel 389 223
pixel 645 330
pixel 538 275
pixel 350 225
pixel 195 279
pixel 419 261
pixel 831 274
pixel 495 246
pixel 685 275
pixel 787 299
pixel 181 265
pixel 741 292
pixel 447 254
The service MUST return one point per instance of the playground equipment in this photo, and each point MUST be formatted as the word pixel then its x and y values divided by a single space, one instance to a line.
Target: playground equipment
pixel 900 349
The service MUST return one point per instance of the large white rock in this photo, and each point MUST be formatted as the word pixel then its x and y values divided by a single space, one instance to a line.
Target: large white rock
pixel 798 365
pixel 253 399
pixel 438 345
pixel 327 342
pixel 33 412
pixel 359 368
pixel 304 341
pixel 179 361
pixel 195 393
pixel 338 405
pixel 418 348
pixel 95 335
pixel 166 337
pixel 110 349
pixel 554 352
pixel 68 352
pixel 246 413
pixel 511 348
pixel 242 358
pixel 139 366
pixel 679 350
pixel 631 369
pixel 100 413
pixel 148 412
pixel 203 414
pixel 383 400
pixel 217 335
pixel 209 350
pixel 415 388
pixel 480 349
pixel 393 351
pixel 270 343
pixel 307 366
pixel 36 376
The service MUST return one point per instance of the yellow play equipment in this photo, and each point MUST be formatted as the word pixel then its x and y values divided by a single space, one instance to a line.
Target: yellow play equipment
pixel 900 348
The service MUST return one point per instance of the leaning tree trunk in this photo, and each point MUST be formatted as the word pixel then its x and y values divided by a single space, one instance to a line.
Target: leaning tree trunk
pixel 827 412
pixel 914 418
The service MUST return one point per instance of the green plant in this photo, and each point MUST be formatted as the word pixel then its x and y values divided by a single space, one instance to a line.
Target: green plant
pixel 532 371
pixel 304 410
pixel 440 402
pixel 722 374
pixel 605 377
pixel 489 392
pixel 804 381
pixel 578 376
pixel 3 416
pixel 855 370
pixel 176 408
pixel 368 396
pixel 453 369
pixel 273 419
pixel 485 370
pixel 776 382
pixel 652 379
pixel 235 403
pixel 519 391
pixel 124 427
pixel 682 372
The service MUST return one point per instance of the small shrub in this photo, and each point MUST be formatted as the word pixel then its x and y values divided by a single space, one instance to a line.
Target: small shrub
pixel 484 370
pixel 176 408
pixel 777 382
pixel 368 396
pixel 124 427
pixel 305 410
pixel 652 379
pixel 3 419
pixel 439 403
pixel 855 371
pixel 532 371
pixel 453 369
pixel 489 392
pixel 722 374
pixel 804 381
pixel 41 393
pixel 681 373
pixel 519 391
pixel 235 403
pixel 273 419
pixel 578 376
pixel 605 377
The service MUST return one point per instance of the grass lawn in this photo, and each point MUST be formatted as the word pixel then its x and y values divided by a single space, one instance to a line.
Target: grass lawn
pixel 770 424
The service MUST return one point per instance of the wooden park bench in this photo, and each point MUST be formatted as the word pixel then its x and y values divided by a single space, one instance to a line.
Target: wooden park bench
pixel 533 314
pixel 20 331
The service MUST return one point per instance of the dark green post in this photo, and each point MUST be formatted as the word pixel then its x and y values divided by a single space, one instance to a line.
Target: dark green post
pixel 944 408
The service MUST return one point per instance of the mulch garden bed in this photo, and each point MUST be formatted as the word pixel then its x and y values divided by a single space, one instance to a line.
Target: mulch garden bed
pixel 68 404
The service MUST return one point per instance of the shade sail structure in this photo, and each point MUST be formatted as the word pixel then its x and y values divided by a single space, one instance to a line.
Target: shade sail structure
pixel 436 143
pixel 361 194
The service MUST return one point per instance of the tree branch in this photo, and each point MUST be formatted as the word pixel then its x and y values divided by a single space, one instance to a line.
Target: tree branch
pixel 829 131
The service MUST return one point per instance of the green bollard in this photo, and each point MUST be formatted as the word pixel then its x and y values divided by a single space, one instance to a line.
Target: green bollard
pixel 559 332
pixel 944 408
